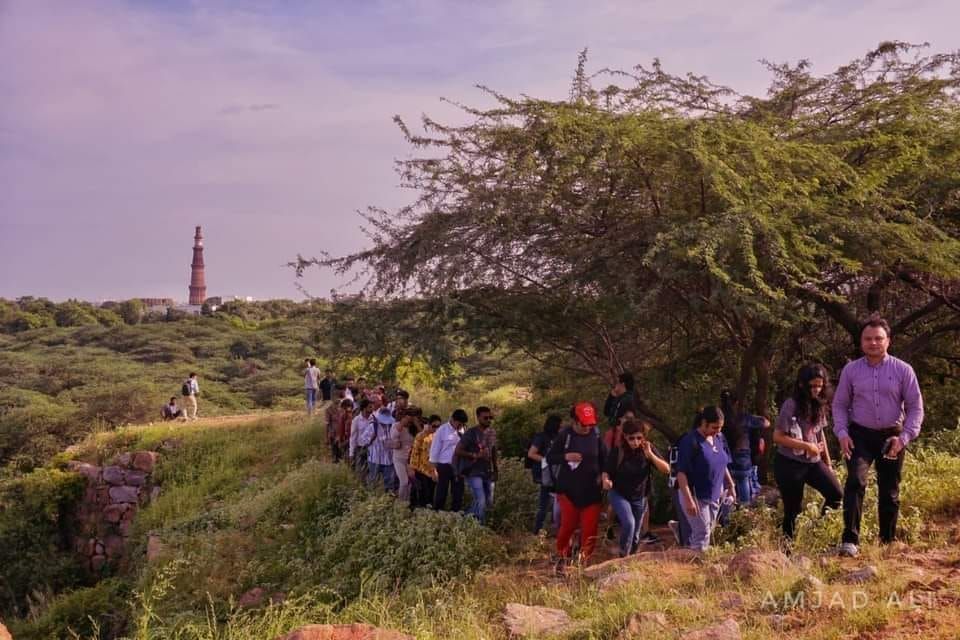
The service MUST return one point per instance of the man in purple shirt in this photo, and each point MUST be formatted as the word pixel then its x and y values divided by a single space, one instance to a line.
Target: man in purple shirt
pixel 877 411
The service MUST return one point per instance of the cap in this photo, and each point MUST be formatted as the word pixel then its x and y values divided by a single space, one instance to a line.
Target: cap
pixel 384 416
pixel 585 414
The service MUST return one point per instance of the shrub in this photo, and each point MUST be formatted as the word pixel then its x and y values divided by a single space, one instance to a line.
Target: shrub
pixel 379 545
pixel 33 509
pixel 515 498
pixel 91 612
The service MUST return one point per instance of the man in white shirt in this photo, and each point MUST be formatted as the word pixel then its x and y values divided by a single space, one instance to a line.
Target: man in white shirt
pixel 445 442
pixel 190 399
pixel 311 384
pixel 360 433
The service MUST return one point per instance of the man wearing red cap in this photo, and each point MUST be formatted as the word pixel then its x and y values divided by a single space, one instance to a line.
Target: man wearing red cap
pixel 580 455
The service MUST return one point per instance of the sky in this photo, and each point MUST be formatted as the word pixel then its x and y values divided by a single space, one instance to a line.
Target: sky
pixel 126 123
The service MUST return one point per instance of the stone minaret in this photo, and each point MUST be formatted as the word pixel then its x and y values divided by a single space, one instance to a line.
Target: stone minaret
pixel 198 286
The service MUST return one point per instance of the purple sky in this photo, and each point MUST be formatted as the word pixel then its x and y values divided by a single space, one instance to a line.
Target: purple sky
pixel 123 124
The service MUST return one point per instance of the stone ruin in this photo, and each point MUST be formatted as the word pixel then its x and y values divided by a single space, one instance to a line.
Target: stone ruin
pixel 104 516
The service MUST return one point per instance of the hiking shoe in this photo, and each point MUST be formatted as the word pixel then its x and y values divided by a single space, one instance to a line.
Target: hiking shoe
pixel 675 529
pixel 650 538
pixel 848 550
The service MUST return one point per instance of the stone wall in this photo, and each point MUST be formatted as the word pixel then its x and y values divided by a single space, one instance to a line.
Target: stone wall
pixel 104 516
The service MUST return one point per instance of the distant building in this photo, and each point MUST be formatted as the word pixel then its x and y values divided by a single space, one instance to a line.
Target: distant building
pixel 214 301
pixel 156 302
pixel 198 283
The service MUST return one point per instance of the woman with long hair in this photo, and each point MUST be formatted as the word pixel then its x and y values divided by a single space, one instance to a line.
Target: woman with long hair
pixel 802 455
pixel 537 452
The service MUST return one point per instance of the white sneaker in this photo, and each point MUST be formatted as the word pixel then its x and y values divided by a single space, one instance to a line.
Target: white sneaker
pixel 848 550
pixel 675 529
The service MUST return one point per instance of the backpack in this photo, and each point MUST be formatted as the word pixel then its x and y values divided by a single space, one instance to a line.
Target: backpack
pixel 550 473
pixel 186 389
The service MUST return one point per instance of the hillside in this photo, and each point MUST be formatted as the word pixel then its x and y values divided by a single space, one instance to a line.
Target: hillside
pixel 253 533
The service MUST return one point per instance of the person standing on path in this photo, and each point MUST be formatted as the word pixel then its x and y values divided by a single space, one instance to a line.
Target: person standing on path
pixel 327 386
pixel 478 459
pixel 311 384
pixel 445 442
pixel 190 391
pixel 877 412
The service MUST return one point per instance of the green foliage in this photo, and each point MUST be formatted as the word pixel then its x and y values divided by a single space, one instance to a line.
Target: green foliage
pixel 380 545
pixel 515 499
pixel 33 512
pixel 92 612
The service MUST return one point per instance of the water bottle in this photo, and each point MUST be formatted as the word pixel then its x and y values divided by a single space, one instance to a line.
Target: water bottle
pixel 796 432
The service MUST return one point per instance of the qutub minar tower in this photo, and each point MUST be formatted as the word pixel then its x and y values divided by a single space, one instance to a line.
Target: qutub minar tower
pixel 198 285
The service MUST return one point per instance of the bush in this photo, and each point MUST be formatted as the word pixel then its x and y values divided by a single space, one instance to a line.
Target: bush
pixel 92 612
pixel 379 545
pixel 515 498
pixel 33 509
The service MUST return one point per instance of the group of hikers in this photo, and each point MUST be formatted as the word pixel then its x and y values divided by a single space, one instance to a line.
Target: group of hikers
pixel 876 409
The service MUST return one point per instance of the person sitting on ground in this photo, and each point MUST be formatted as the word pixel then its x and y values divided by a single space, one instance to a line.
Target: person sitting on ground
pixel 171 411
pixel 702 474
pixel 581 456
pixel 626 477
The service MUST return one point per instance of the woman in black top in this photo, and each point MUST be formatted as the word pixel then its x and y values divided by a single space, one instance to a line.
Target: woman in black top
pixel 626 477
pixel 537 453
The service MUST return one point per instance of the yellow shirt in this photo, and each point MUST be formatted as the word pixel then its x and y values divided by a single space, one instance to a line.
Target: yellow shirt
pixel 420 453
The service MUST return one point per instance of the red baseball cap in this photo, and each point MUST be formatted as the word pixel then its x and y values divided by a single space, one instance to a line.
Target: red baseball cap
pixel 585 413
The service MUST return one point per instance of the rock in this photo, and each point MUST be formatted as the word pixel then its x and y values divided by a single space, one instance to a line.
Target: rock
pixel 619 579
pixel 344 632
pixel 123 494
pixel 729 629
pixel 750 563
pixel 134 478
pixel 144 461
pixel 155 548
pixel 730 600
pixel 716 572
pixel 114 546
pixel 525 621
pixel 123 459
pixel 103 495
pixel 114 512
pixel 642 625
pixel 113 475
pixel 866 574
pixel 252 598
pixel 811 583
pixel 124 528
pixel 616 565
pixel 97 563
pixel 89 471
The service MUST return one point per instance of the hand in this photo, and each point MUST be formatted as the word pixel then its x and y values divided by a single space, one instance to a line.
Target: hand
pixel 846 446
pixel 434 475
pixel 606 483
pixel 896 447
pixel 692 508
pixel 647 449
pixel 813 448
pixel 573 456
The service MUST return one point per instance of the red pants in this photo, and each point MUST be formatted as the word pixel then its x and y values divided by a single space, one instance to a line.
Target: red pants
pixel 571 517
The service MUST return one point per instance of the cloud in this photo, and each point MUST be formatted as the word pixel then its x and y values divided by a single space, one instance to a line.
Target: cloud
pixel 124 123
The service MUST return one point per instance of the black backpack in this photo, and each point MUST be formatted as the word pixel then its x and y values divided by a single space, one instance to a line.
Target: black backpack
pixel 186 388
pixel 550 473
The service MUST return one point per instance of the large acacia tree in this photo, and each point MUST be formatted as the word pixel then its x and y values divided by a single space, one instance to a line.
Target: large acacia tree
pixel 675 227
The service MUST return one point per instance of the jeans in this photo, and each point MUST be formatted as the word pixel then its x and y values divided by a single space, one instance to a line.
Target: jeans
pixel 630 514
pixel 683 520
pixel 792 475
pixel 743 472
pixel 701 525
pixel 571 517
pixel 482 492
pixel 867 450
pixel 448 482
pixel 311 400
pixel 548 500
pixel 385 470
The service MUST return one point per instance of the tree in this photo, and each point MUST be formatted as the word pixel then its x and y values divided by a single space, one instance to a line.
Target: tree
pixel 676 228
pixel 132 311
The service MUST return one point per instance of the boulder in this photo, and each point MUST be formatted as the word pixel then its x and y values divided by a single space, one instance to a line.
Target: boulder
pixel 123 459
pixel 123 494
pixel 155 548
pixel 144 461
pixel 113 475
pixel 134 478
pixel 534 622
pixel 344 632
pixel 114 546
pixel 619 579
pixel 729 629
pixel 866 574
pixel 644 624
pixel 114 512
pixel 89 471
pixel 4 634
pixel 602 569
pixel 750 563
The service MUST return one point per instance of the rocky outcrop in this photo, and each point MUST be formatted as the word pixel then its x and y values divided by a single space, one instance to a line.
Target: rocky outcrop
pixel 751 563
pixel 104 517
pixel 534 622
pixel 344 632
pixel 729 629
